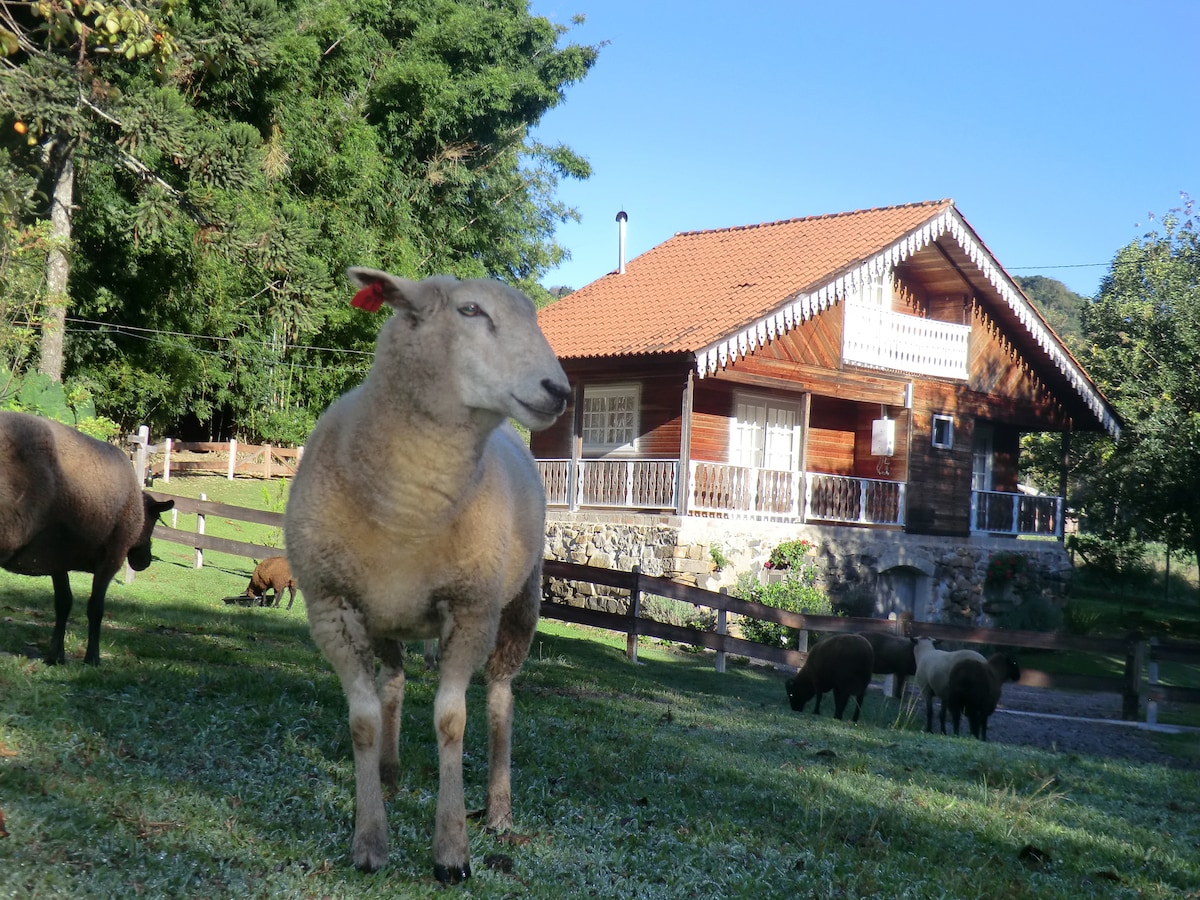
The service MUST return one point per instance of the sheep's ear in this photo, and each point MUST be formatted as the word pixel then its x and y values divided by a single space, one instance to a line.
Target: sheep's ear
pixel 412 298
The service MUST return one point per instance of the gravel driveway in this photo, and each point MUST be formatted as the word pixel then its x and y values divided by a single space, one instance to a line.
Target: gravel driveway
pixel 1066 722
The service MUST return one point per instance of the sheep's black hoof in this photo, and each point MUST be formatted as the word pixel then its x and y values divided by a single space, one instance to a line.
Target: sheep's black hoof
pixel 452 874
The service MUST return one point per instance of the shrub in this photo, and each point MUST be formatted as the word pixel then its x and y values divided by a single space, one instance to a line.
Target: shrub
pixel 1079 619
pixel 789 555
pixel 795 593
pixel 1005 568
pixel 717 553
pixel 1109 555
pixel 1034 613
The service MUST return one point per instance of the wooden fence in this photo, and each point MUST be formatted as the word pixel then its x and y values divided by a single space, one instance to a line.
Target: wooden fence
pixel 200 541
pixel 1138 652
pixel 228 458
pixel 1135 648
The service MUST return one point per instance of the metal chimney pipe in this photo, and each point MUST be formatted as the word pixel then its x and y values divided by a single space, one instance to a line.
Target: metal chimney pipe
pixel 622 218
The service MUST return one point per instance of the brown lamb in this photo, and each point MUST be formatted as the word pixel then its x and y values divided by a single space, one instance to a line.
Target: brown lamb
pixel 70 503
pixel 272 574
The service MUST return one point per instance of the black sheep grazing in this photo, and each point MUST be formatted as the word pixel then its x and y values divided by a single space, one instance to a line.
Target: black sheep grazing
pixel 70 503
pixel 974 688
pixel 893 656
pixel 840 663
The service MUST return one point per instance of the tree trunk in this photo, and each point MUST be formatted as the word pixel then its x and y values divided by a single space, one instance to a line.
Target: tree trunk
pixel 58 263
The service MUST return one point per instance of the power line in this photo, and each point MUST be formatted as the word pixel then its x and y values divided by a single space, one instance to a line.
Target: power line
pixel 1066 266
pixel 136 331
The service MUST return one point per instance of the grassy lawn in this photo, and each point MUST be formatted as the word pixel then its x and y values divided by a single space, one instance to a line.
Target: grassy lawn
pixel 209 757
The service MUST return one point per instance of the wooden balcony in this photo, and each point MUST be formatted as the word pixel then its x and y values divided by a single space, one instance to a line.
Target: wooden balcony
pixel 769 495
pixel 999 512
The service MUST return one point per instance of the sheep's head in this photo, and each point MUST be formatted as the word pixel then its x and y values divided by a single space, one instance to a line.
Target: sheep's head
pixel 139 553
pixel 799 691
pixel 476 341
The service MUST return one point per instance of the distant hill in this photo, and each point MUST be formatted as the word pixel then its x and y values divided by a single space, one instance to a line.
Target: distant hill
pixel 1062 307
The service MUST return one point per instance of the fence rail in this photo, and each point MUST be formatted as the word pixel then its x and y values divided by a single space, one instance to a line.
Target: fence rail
pixel 1139 653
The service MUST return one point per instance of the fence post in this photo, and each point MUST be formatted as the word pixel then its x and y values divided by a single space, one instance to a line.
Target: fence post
pixel 232 458
pixel 1135 657
pixel 267 461
pixel 1151 703
pixel 722 629
pixel 140 457
pixel 167 443
pixel 635 609
pixel 200 530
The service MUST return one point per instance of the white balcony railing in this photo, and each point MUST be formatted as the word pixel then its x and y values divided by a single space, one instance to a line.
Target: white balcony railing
pixel 716 489
pixel 621 483
pixel 745 492
pixel 890 340
pixel 861 501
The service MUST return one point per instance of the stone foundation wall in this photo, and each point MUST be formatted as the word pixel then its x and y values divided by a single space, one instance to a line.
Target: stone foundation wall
pixel 864 572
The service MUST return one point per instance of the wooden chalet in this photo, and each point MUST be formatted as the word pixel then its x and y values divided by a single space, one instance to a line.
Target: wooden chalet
pixel 873 368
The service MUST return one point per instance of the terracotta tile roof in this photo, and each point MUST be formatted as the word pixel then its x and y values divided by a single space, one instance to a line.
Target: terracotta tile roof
pixel 698 287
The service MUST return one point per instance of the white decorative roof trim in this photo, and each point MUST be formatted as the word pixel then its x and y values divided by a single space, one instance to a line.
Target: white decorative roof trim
pixel 805 306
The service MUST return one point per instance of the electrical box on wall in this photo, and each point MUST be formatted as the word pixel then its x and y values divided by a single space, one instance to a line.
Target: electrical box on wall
pixel 883 437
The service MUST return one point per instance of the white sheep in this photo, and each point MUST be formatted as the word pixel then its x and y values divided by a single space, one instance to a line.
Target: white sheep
pixel 418 513
pixel 933 674
pixel 70 503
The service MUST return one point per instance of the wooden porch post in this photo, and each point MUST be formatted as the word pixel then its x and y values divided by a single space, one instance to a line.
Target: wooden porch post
pixel 683 478
pixel 576 450
pixel 1063 466
pixel 805 411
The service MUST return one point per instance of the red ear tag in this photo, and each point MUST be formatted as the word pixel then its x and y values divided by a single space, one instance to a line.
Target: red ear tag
pixel 369 298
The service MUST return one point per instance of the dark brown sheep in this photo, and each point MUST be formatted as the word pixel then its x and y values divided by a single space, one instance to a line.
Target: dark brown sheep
pixel 893 656
pixel 70 503
pixel 974 687
pixel 840 663
pixel 272 574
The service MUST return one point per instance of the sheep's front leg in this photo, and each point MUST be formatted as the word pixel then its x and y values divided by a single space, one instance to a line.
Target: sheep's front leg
pixel 63 601
pixel 451 850
pixel 340 632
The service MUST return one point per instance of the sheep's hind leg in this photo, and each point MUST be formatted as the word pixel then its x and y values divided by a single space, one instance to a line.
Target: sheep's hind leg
pixel 517 626
pixel 451 849
pixel 391 696
pixel 342 636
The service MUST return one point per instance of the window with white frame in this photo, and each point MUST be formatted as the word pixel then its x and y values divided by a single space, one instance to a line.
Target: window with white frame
pixel 765 434
pixel 876 293
pixel 943 432
pixel 610 417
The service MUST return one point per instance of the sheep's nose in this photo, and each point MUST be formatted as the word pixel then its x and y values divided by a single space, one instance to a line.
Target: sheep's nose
pixel 559 392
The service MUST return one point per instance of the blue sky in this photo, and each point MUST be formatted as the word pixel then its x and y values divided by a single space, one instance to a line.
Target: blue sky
pixel 1055 126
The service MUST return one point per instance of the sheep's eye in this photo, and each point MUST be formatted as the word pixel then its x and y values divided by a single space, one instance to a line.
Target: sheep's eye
pixel 470 310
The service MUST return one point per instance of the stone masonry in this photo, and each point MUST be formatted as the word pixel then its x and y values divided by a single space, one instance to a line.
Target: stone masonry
pixel 864 571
